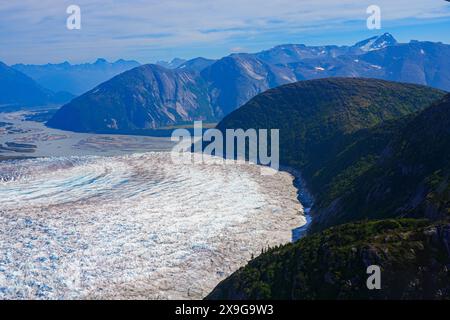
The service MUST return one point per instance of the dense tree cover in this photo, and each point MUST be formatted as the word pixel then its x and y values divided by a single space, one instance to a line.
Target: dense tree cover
pixel 336 132
pixel 370 151
pixel 412 254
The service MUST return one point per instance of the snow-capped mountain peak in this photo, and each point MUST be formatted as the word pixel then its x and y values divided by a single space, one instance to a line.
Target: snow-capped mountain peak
pixel 377 42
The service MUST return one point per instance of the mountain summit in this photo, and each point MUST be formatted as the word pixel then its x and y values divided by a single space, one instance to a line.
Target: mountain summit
pixel 377 42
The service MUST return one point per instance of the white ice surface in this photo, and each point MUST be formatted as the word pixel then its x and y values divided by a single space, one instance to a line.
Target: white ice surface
pixel 135 226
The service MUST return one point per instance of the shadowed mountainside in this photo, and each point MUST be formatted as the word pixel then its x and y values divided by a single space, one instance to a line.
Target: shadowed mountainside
pixel 75 78
pixel 17 89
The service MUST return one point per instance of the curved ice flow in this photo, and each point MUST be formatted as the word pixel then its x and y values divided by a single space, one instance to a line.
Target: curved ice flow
pixel 134 226
pixel 52 181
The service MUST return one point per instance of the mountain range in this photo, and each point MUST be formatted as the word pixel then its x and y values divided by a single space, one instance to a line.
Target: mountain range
pixel 19 90
pixel 375 156
pixel 74 78
pixel 203 89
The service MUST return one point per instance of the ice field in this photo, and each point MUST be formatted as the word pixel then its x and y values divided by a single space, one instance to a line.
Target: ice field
pixel 135 226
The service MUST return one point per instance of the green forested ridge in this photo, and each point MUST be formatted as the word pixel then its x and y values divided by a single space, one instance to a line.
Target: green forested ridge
pixel 412 254
pixel 410 176
pixel 389 160
pixel 335 131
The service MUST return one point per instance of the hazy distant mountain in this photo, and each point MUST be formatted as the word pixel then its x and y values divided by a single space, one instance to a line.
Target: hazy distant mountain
pixel 292 53
pixel 17 89
pixel 77 78
pixel 225 84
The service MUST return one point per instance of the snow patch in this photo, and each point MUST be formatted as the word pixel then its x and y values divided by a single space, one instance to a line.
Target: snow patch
pixel 250 71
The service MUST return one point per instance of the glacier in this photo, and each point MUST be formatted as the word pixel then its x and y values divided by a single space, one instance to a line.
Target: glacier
pixel 135 226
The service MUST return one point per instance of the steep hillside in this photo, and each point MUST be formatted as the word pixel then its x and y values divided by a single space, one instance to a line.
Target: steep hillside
pixel 146 97
pixel 409 176
pixel 344 136
pixel 315 116
pixel 413 256
pixel 398 168
pixel 234 80
pixel 75 78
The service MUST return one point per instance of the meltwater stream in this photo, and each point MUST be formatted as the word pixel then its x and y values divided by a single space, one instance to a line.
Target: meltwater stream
pixel 135 226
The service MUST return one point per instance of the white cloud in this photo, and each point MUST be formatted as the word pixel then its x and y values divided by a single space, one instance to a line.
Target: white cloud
pixel 35 30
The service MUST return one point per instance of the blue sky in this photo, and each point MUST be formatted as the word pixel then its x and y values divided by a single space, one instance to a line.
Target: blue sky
pixel 147 30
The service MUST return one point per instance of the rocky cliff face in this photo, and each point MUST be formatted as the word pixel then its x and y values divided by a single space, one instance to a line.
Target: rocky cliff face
pixel 146 97
pixel 234 80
